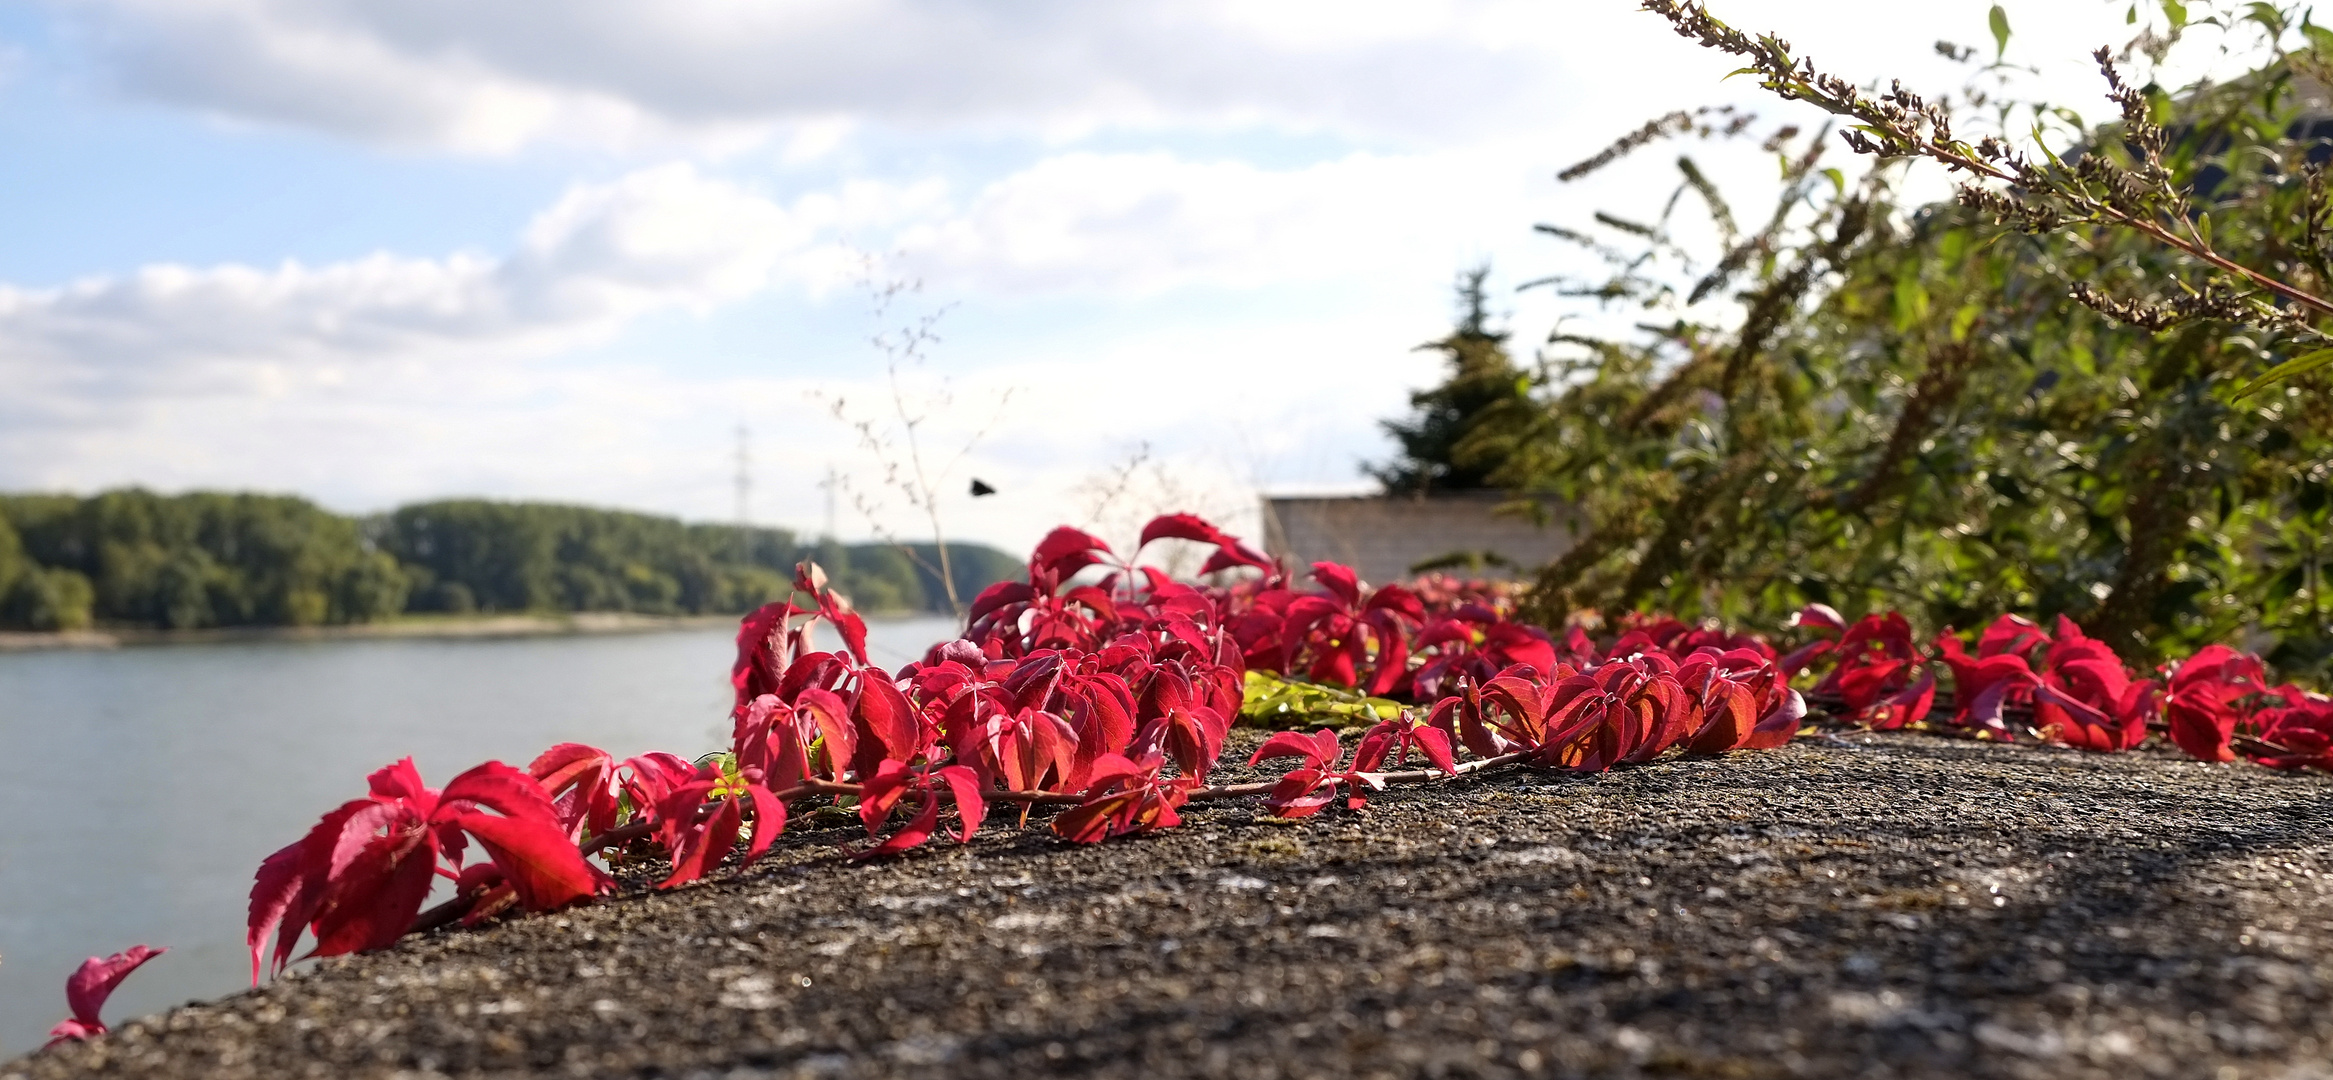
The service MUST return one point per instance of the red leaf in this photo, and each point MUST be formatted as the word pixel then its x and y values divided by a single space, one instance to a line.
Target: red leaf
pixel 565 763
pixel 696 846
pixel 400 781
pixel 581 783
pixel 965 785
pixel 93 982
pixel 996 596
pixel 536 857
pixel 1301 793
pixel 1731 718
pixel 1089 822
pixel 2010 635
pixel 1095 598
pixel 1110 769
pixel 1908 706
pixel 1780 725
pixel 1318 751
pixel 757 661
pixel 880 792
pixel 1339 579
pixel 70 1030
pixel 1822 615
pixel 374 903
pixel 1395 600
pixel 1065 551
pixel 1126 797
pixel 274 889
pixel 832 717
pixel 502 789
pixel 2218 666
pixel 2202 728
pixel 853 630
pixel 1435 744
pixel 650 777
pixel 1180 527
pixel 1984 708
pixel 886 715
pixel 291 884
pixel 769 819
pixel 918 830
pixel 1375 746
pixel 1234 553
pixel 1806 654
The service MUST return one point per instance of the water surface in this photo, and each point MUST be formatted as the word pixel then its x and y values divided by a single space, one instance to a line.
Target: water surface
pixel 140 787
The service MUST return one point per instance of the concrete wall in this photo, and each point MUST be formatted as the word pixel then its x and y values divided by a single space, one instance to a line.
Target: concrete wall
pixel 1382 537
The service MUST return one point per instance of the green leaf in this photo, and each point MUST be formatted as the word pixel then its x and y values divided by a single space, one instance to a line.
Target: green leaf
pixel 1911 299
pixel 1963 319
pixel 1838 181
pixel 2203 228
pixel 2267 16
pixel 2176 12
pixel 1952 246
pixel 2299 365
pixel 2320 39
pixel 1274 701
pixel 2131 16
pixel 1999 21
pixel 2046 152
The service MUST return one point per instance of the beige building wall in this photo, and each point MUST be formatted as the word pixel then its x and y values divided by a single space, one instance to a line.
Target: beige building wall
pixel 1382 537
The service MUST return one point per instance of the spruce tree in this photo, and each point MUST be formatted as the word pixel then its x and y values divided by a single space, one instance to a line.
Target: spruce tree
pixel 1482 377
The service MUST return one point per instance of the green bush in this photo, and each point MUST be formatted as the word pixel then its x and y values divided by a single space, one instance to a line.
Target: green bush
pixel 209 559
pixel 13 563
pixel 48 599
pixel 1879 403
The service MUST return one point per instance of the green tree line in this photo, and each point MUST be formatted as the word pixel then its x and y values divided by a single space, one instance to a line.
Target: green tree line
pixel 136 558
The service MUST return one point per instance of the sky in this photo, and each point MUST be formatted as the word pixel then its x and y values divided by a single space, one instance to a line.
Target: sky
pixel 1111 259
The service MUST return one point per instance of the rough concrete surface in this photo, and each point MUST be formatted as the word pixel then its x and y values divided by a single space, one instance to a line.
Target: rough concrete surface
pixel 1893 905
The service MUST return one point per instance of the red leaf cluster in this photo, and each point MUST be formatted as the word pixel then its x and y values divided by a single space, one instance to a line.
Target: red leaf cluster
pixel 359 877
pixel 1125 797
pixel 1101 685
pixel 2066 687
pixel 1872 666
pixel 1052 610
pixel 2294 733
pixel 1626 710
pixel 1344 635
pixel 1305 789
pixel 2206 699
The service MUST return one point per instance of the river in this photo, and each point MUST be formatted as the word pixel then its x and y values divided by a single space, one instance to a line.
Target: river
pixel 142 786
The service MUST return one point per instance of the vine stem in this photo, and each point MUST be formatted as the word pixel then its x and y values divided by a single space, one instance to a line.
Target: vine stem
pixel 1953 156
pixel 2255 744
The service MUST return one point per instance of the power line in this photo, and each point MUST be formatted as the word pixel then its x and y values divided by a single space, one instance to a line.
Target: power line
pixel 744 495
pixel 833 480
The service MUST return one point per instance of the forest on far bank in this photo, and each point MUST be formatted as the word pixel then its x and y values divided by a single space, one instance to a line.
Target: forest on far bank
pixel 133 557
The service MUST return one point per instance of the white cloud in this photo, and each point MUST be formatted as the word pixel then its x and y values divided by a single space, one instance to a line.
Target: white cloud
pixel 493 77
pixel 1149 222
pixel 600 256
pixel 672 237
pixel 498 77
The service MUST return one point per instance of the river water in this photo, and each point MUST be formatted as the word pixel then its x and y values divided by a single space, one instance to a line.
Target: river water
pixel 141 787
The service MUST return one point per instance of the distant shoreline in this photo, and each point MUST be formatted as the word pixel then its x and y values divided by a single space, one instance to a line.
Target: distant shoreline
pixel 423 628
